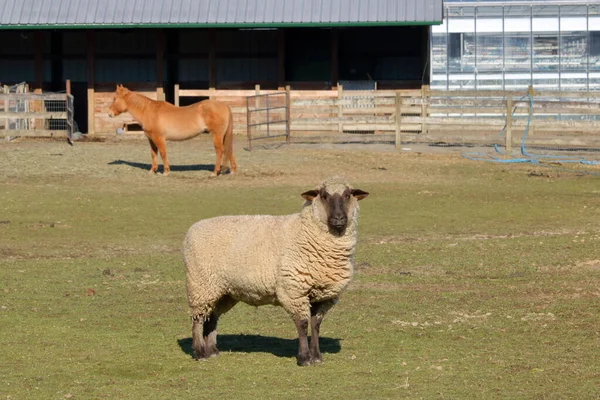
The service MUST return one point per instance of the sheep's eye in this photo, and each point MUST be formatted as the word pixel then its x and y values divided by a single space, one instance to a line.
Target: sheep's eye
pixel 347 196
pixel 324 196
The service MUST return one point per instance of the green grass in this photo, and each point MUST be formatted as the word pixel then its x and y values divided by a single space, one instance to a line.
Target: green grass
pixel 472 280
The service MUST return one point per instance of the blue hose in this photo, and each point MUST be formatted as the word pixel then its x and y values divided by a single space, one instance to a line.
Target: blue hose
pixel 527 157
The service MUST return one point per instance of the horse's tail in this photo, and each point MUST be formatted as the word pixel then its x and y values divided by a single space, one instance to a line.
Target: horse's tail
pixel 228 142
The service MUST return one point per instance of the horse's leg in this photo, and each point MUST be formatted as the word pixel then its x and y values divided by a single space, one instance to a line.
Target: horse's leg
pixel 218 142
pixel 162 149
pixel 228 147
pixel 153 149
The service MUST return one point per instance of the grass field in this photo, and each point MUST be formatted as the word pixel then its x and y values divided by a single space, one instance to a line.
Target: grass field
pixel 473 280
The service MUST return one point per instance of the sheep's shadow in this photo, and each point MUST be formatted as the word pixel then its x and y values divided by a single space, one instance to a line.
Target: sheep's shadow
pixel 262 344
pixel 180 168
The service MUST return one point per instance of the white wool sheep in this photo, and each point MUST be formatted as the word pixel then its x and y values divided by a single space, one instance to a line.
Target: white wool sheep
pixel 301 262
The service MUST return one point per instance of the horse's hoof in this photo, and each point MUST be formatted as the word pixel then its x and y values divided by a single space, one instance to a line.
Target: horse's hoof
pixel 165 174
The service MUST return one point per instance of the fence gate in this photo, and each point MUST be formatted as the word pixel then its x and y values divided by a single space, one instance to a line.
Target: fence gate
pixel 268 116
pixel 36 114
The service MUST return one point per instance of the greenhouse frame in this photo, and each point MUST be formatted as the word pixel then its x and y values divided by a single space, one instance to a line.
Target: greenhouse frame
pixel 509 45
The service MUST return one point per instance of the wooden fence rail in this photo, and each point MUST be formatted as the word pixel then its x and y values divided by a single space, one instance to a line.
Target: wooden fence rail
pixel 558 118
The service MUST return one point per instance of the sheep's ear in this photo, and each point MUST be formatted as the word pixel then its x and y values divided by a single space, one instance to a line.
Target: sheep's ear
pixel 359 194
pixel 310 195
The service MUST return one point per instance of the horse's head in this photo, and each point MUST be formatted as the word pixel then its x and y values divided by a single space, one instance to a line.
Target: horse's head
pixel 119 105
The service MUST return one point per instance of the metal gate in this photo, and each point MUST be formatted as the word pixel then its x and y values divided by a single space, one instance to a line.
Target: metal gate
pixel 36 114
pixel 268 116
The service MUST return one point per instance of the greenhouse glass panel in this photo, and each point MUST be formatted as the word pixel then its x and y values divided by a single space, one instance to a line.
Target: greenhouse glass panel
pixel 573 51
pixel 545 52
pixel 517 52
pixel 439 44
pixel 490 51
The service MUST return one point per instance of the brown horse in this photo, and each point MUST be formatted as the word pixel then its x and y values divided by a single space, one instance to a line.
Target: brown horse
pixel 163 121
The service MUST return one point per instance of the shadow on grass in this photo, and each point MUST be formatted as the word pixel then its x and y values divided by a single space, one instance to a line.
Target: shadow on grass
pixel 262 344
pixel 144 166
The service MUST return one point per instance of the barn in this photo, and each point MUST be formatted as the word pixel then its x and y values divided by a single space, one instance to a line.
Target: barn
pixel 158 46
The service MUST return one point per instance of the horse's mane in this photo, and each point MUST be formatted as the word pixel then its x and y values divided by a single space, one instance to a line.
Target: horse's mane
pixel 137 100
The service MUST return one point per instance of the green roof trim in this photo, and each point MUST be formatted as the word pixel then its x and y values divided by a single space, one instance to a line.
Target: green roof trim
pixel 220 25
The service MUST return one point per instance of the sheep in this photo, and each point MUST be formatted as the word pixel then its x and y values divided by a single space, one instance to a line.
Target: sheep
pixel 301 262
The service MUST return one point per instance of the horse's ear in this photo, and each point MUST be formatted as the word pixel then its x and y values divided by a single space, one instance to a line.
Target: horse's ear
pixel 310 195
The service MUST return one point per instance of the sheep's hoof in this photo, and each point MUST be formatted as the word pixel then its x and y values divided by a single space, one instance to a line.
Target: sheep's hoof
pixel 303 362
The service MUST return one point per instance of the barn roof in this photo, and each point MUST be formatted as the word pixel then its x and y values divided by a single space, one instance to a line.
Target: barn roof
pixel 67 14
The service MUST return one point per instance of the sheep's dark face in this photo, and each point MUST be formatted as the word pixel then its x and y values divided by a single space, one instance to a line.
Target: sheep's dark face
pixel 335 205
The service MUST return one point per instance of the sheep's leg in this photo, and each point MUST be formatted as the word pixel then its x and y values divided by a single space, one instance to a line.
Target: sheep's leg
pixel 198 344
pixel 303 358
pixel 209 332
pixel 317 313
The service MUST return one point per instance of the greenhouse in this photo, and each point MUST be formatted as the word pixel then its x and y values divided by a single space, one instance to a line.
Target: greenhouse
pixel 509 45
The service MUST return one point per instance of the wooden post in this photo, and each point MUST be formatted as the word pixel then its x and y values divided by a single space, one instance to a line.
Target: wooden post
pixel 176 95
pixel 280 58
pixel 90 83
pixel 398 120
pixel 288 116
pixel 39 59
pixel 334 57
pixel 160 56
pixel 340 113
pixel 257 105
pixel 508 131
pixel 212 55
pixel 424 108
pixel 531 123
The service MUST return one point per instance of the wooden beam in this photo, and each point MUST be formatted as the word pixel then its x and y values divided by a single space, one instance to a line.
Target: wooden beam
pixel 335 57
pixel 90 82
pixel 160 59
pixel 39 59
pixel 281 58
pixel 398 139
pixel 212 51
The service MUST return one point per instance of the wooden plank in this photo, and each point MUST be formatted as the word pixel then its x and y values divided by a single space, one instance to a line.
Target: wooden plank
pixel 365 119
pixel 33 96
pixel 212 50
pixel 39 58
pixel 160 56
pixel 340 109
pixel 398 124
pixel 508 129
pixel 424 107
pixel 454 121
pixel 33 114
pixel 335 56
pixel 33 133
pixel 90 82
pixel 281 57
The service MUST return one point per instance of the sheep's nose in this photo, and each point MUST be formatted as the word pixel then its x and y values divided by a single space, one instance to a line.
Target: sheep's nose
pixel 338 220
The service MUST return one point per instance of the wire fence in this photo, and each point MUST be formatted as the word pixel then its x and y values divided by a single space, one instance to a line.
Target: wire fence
pixel 35 114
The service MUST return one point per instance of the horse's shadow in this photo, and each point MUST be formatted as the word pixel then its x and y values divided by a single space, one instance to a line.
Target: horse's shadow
pixel 262 344
pixel 144 166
